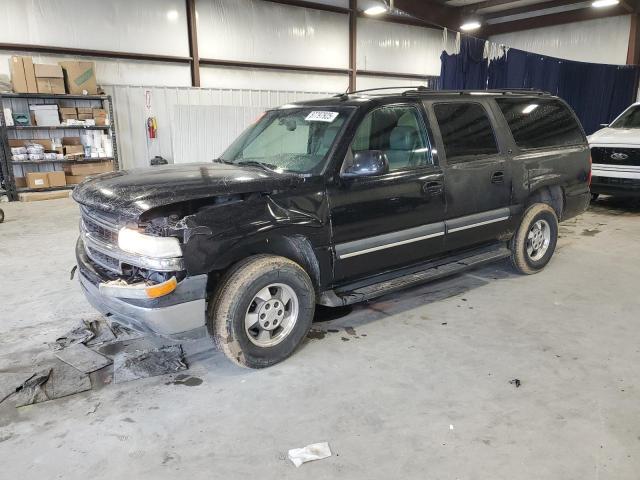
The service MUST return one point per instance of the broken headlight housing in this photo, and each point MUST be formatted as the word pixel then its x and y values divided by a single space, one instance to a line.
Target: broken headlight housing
pixel 133 241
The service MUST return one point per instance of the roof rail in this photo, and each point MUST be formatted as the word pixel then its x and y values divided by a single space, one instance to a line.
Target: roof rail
pixel 502 91
pixel 418 88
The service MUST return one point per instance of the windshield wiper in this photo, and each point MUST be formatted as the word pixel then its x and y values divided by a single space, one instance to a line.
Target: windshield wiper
pixel 253 163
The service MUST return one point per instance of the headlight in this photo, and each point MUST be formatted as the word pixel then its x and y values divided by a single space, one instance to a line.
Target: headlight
pixel 133 241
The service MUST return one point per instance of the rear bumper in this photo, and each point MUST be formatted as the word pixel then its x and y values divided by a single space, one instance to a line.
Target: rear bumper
pixel 180 311
pixel 575 204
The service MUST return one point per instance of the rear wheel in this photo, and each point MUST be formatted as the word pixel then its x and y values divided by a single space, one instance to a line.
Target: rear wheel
pixel 535 241
pixel 262 310
pixel 594 196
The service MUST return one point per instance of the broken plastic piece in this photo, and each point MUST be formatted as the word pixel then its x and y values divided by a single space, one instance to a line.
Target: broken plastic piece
pixel 515 381
pixel 315 451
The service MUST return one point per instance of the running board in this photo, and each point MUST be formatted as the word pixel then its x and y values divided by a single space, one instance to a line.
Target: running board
pixel 358 293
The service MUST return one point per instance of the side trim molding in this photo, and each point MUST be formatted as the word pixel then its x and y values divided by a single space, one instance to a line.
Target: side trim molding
pixel 389 240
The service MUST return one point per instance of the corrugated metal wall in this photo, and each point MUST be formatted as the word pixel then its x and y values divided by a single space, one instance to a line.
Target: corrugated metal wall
pixel 194 124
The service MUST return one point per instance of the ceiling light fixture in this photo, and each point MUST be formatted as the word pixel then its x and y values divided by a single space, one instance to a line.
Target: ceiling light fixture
pixel 473 25
pixel 376 10
pixel 605 3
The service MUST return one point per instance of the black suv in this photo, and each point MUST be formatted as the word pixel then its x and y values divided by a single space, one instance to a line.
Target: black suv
pixel 331 202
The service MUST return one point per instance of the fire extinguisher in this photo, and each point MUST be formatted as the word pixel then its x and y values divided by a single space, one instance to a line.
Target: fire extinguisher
pixel 152 127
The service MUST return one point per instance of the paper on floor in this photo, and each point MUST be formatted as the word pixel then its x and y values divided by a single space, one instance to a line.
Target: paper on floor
pixel 315 451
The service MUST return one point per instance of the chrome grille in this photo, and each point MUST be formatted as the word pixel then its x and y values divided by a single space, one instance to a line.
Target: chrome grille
pixel 615 156
pixel 99 233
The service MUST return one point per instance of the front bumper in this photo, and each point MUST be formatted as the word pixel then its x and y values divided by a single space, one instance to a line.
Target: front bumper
pixel 619 187
pixel 182 310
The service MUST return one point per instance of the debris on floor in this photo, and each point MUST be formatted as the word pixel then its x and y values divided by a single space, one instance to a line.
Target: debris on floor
pixel 83 358
pixel 10 382
pixel 137 363
pixel 102 333
pixel 79 334
pixel 315 451
pixel 516 382
pixel 51 382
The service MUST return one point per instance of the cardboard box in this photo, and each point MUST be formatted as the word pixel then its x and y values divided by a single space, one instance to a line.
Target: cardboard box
pixel 37 180
pixel 85 116
pixel 80 77
pixel 21 182
pixel 85 110
pixel 49 78
pixel 99 112
pixel 75 179
pixel 101 121
pixel 73 150
pixel 23 76
pixel 67 113
pixel 56 179
pixel 45 115
pixel 37 196
pixel 89 168
pixel 71 141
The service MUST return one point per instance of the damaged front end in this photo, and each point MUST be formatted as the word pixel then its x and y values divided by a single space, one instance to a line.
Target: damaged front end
pixel 137 276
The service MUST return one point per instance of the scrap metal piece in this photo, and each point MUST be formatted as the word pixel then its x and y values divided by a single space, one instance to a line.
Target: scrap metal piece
pixel 83 358
pixel 80 334
pixel 147 362
pixel 10 383
pixel 55 381
pixel 102 331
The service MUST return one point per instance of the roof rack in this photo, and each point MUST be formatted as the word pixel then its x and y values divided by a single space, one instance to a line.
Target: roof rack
pixel 412 87
pixel 501 91
pixel 420 90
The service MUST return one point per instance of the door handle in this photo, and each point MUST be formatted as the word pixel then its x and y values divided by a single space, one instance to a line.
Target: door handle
pixel 433 188
pixel 497 177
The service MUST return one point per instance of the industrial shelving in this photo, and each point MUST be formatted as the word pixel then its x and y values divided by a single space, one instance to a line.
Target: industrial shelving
pixel 20 102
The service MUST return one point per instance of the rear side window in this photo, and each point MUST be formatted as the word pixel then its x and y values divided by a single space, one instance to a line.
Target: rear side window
pixel 466 130
pixel 539 123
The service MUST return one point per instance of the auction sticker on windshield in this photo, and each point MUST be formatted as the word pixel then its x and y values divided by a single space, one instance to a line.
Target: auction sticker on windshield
pixel 321 116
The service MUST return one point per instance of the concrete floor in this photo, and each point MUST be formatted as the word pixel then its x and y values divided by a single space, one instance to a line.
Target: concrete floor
pixel 419 389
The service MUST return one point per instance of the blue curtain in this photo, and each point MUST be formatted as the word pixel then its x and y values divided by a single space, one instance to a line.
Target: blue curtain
pixel 465 70
pixel 597 92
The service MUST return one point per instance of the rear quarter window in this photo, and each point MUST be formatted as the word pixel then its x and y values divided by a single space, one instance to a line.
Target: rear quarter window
pixel 466 130
pixel 540 123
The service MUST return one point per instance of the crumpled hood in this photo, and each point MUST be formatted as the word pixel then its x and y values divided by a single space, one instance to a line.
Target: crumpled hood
pixel 130 193
pixel 615 136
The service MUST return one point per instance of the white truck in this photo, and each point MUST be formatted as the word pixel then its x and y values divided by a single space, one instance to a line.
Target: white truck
pixel 615 153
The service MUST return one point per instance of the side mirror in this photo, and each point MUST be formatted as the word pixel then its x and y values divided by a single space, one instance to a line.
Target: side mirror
pixel 367 163
pixel 604 125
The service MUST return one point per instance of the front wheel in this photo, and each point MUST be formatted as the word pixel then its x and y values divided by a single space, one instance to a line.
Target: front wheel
pixel 535 241
pixel 262 310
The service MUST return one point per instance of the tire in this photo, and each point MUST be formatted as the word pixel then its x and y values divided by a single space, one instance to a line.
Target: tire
pixel 269 290
pixel 594 196
pixel 1 215
pixel 525 257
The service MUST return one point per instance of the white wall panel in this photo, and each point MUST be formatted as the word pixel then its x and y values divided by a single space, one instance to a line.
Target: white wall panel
pixel 602 40
pixel 224 77
pixel 392 47
pixel 259 31
pixel 141 26
pixel 364 82
pixel 194 124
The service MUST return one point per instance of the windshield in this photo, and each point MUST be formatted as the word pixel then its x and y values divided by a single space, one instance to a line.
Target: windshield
pixel 629 119
pixel 291 139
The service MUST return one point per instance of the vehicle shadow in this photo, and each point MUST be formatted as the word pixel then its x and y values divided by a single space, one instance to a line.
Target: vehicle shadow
pixel 401 302
pixel 616 206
